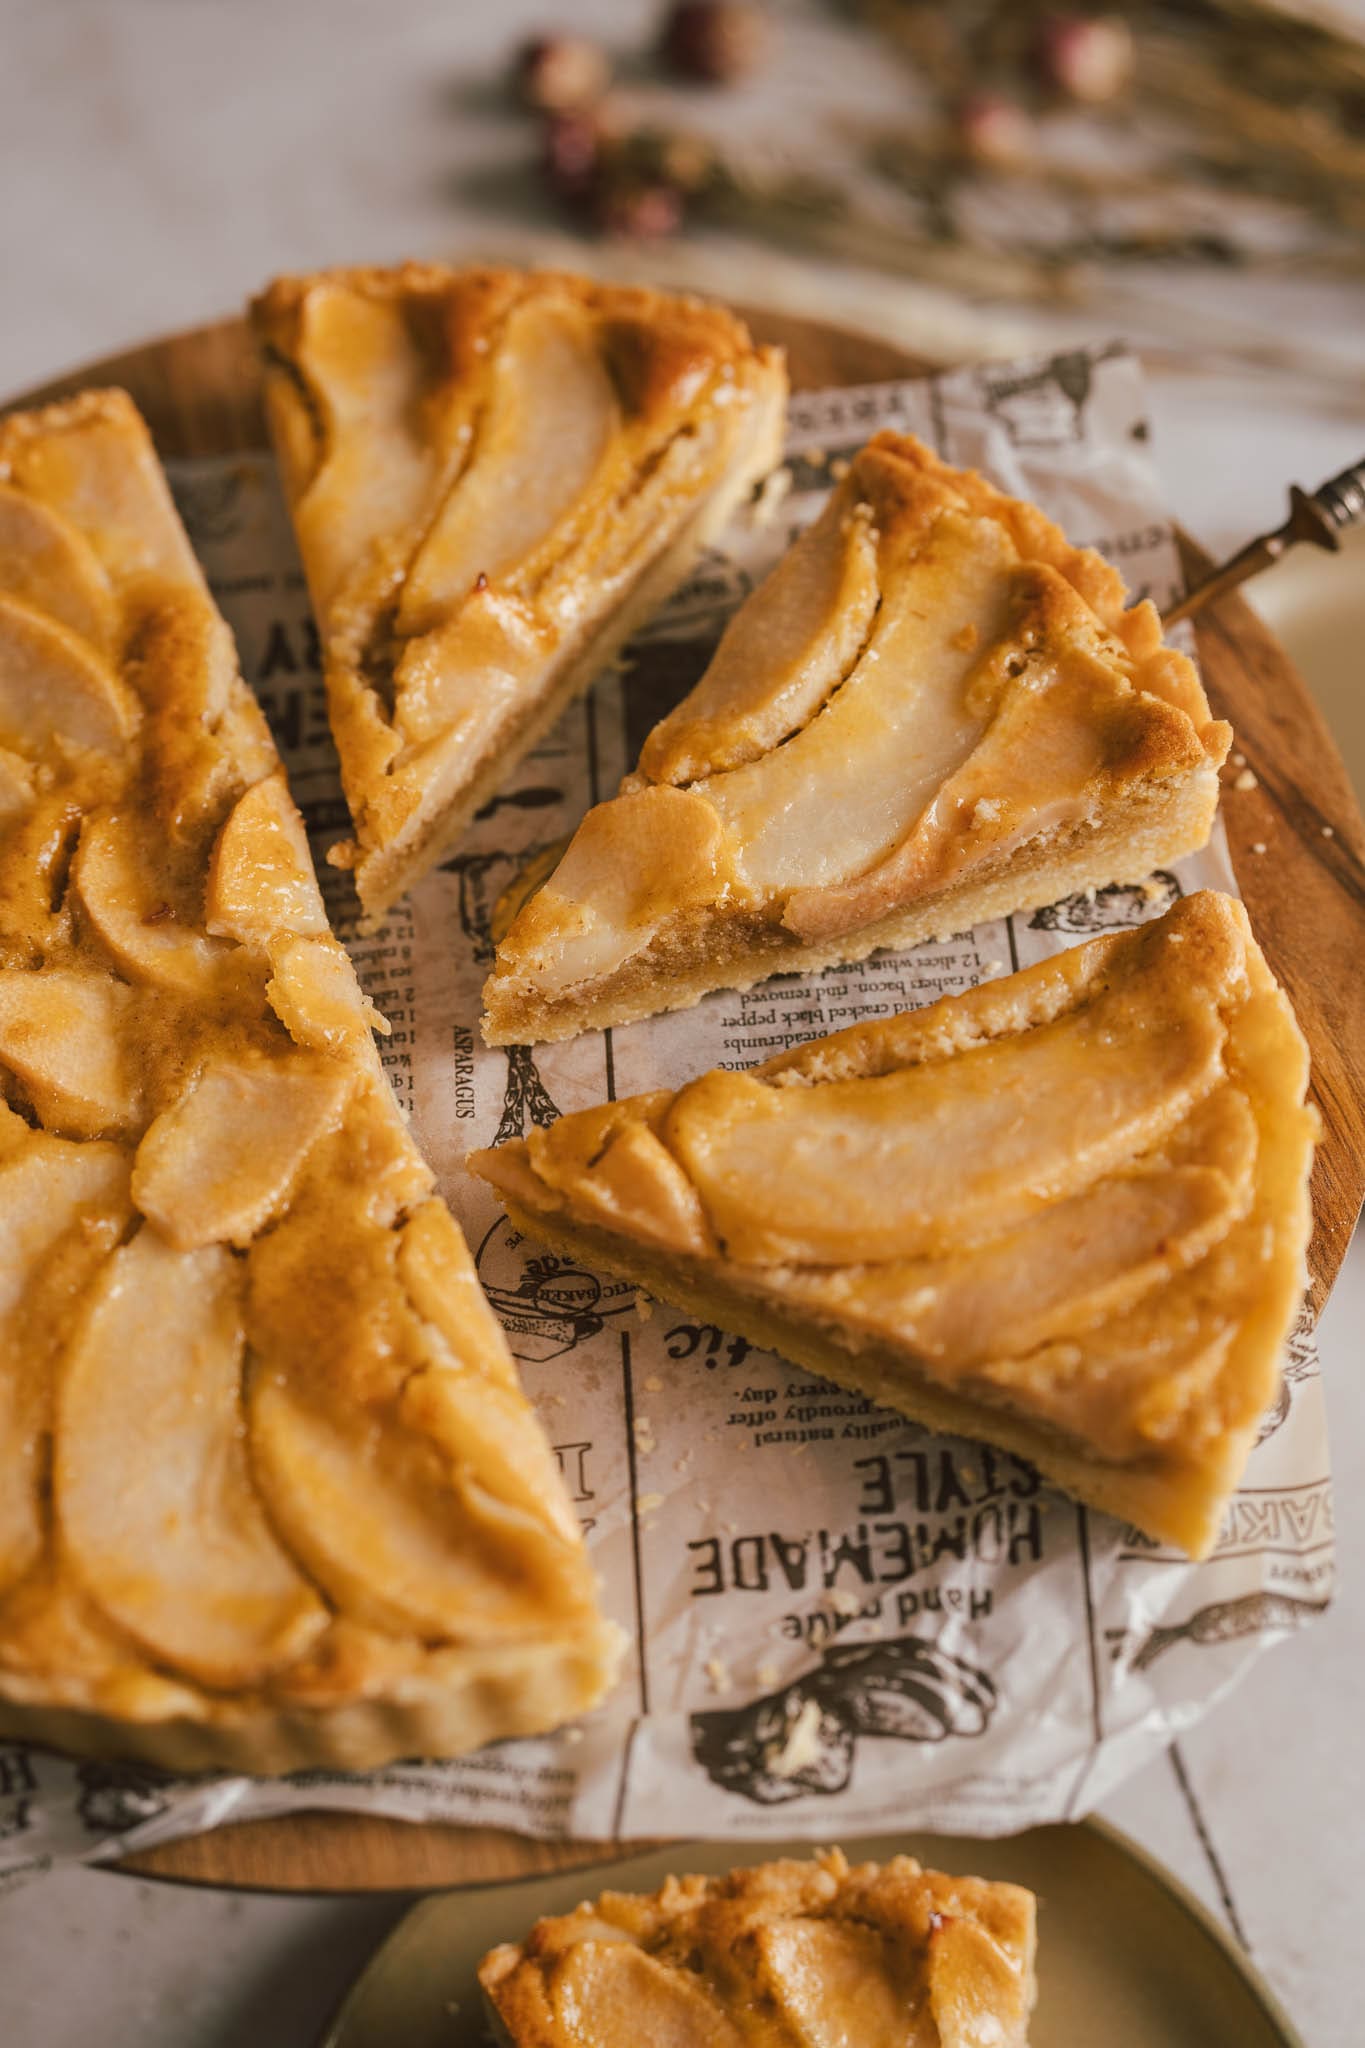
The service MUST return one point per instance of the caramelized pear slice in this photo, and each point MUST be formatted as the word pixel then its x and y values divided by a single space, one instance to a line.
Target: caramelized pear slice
pixel 1064 1270
pixel 53 686
pixel 363 364
pixel 618 1983
pixel 62 1207
pixel 417 1490
pixel 174 1547
pixel 835 1982
pixel 468 676
pixel 123 908
pixel 928 1158
pixel 848 786
pixel 395 1534
pixel 314 993
pixel 62 1035
pixel 977 1991
pixel 49 565
pixel 223 1163
pixel 261 880
pixel 780 656
pixel 549 425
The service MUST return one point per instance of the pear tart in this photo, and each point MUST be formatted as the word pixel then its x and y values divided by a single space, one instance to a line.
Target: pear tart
pixel 494 477
pixel 1065 1212
pixel 272 1495
pixel 812 1954
pixel 932 712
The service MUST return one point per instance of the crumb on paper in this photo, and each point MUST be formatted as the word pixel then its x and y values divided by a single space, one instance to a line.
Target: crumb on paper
pixel 648 1502
pixel 1258 846
pixel 718 1672
pixel 841 1601
pixel 654 1385
pixel 728 1528
pixel 645 1439
pixel 992 968
pixel 813 458
pixel 681 1464
pixel 704 1507
pixel 572 1735
pixel 1248 779
pixel 799 1748
pixel 644 1307
pixel 768 1673
pixel 772 493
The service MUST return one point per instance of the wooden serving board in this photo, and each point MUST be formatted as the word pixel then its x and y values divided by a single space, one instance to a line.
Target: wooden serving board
pixel 200 392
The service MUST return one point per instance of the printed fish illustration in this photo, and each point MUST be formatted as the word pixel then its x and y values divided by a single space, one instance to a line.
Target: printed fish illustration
pixel 1223 1621
pixel 1101 910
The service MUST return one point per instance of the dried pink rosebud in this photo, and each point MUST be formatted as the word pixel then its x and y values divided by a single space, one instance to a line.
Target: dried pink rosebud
pixel 715 41
pixel 640 213
pixel 571 153
pixel 555 74
pixel 1088 58
pixel 995 130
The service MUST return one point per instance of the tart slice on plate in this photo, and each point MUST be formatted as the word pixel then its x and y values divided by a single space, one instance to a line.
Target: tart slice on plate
pixel 273 1497
pixel 934 711
pixel 787 1954
pixel 495 477
pixel 1065 1212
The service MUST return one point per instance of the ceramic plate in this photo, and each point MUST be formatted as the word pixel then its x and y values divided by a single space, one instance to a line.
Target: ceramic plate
pixel 1127 1956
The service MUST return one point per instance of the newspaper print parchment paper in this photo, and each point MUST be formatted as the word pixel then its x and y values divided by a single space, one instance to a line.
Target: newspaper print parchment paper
pixel 838 1620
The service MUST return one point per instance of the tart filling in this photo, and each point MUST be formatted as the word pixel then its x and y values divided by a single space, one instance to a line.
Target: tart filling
pixel 933 710
pixel 784 1955
pixel 494 477
pixel 1066 1212
pixel 273 1496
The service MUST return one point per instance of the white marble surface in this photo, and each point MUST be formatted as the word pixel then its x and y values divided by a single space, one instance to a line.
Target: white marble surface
pixel 158 159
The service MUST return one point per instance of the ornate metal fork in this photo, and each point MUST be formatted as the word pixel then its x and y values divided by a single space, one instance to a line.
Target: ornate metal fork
pixel 1320 516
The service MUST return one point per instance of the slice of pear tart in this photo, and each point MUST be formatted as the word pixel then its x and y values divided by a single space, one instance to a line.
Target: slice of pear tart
pixel 813 1954
pixel 1065 1212
pixel 495 477
pixel 933 711
pixel 272 1495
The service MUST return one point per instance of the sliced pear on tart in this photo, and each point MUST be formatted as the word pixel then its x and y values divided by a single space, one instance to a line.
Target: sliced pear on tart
pixel 493 477
pixel 1066 1212
pixel 934 711
pixel 274 1498
pixel 827 1955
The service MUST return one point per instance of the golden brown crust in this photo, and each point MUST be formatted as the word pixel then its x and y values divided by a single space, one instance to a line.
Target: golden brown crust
pixel 346 1538
pixel 1066 1211
pixel 933 703
pixel 492 473
pixel 772 1956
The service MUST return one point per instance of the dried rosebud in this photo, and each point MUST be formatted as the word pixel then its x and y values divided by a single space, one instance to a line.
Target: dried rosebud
pixel 1087 59
pixel 715 41
pixel 554 74
pixel 995 130
pixel 639 213
pixel 571 153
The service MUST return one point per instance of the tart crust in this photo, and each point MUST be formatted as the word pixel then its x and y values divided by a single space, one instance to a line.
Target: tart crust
pixel 274 1496
pixel 495 478
pixel 780 1955
pixel 934 711
pixel 1066 1212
